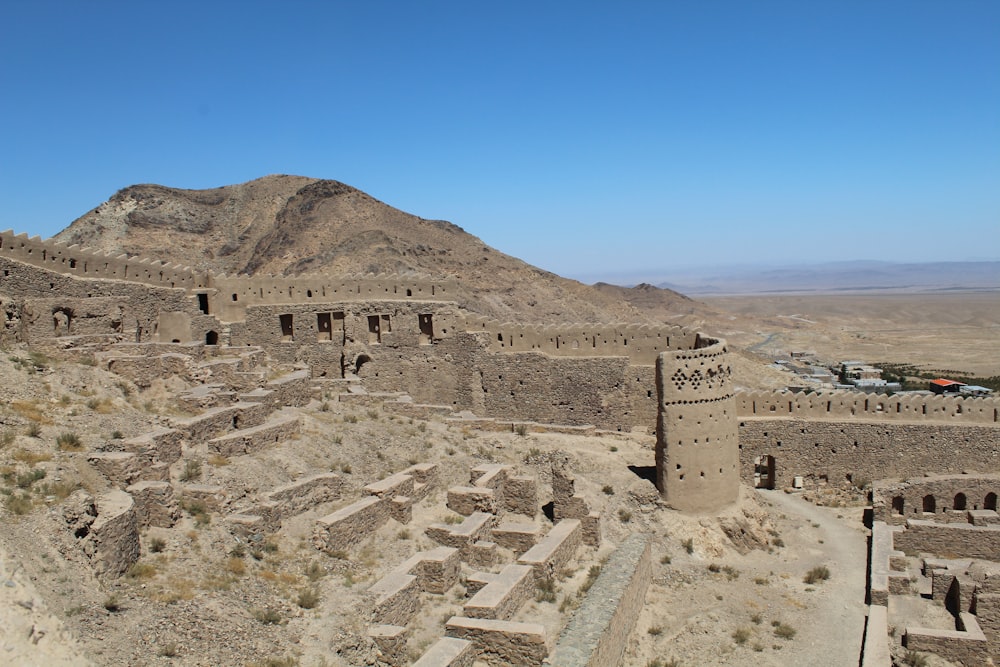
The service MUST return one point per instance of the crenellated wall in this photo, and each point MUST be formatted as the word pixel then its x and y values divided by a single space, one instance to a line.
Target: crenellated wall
pixel 234 294
pixel 850 405
pixel 73 260
pixel 640 343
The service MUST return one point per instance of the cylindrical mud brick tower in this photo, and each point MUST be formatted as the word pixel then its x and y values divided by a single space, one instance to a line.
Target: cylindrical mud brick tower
pixel 697 441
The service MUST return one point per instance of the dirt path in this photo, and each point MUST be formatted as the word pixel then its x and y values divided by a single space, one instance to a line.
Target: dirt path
pixel 838 617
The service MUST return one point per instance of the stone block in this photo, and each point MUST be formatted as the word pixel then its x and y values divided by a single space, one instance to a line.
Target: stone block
pixel 467 500
pixel 253 439
pixel 481 554
pixel 554 550
pixel 350 525
pixel 448 652
pixel 476 527
pixel 520 495
pixel 155 504
pixel 518 537
pixel 401 508
pixel 501 643
pixel 114 535
pixel 394 598
pixel 391 642
pixel 502 597
pixel 399 484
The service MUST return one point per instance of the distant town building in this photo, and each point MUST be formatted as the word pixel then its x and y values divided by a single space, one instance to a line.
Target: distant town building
pixel 944 386
pixel 974 390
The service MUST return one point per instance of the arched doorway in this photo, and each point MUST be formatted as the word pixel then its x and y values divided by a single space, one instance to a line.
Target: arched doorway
pixel 359 362
pixel 991 502
pixel 960 501
pixel 929 505
pixel 211 338
pixel 897 505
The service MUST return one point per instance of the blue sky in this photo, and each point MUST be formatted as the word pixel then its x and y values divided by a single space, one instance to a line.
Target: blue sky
pixel 591 139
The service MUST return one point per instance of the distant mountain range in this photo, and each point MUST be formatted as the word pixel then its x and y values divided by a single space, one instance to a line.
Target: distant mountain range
pixel 864 276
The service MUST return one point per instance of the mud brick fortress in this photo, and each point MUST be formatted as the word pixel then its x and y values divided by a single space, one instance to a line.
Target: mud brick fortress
pixel 142 318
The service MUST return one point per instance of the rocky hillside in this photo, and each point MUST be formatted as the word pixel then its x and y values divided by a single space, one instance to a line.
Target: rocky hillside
pixel 292 224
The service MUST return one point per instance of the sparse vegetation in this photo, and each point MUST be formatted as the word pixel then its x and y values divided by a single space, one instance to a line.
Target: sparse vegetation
pixel 624 516
pixel 546 590
pixel 688 545
pixel 742 635
pixel 914 659
pixel 157 544
pixel 191 471
pixel 308 598
pixel 608 490
pixel 521 430
pixel 112 604
pixel 267 616
pixel 783 631
pixel 817 574
pixel 69 442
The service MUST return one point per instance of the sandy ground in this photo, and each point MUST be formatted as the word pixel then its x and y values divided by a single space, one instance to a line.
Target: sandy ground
pixel 953 331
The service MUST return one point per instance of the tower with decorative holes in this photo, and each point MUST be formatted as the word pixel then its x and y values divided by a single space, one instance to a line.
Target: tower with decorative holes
pixel 697 444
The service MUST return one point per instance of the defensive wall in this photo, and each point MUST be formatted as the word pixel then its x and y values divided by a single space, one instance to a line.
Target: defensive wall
pixel 853 405
pixel 407 333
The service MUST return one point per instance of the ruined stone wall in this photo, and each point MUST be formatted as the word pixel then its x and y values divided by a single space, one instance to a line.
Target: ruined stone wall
pixel 72 260
pixel 232 295
pixel 852 405
pixel 598 633
pixel 604 391
pixel 56 305
pixel 830 451
pixel 894 502
pixel 640 343
pixel 697 454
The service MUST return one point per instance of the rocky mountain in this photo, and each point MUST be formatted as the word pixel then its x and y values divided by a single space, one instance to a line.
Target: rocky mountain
pixel 291 224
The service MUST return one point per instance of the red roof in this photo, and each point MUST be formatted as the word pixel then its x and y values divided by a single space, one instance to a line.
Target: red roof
pixel 941 382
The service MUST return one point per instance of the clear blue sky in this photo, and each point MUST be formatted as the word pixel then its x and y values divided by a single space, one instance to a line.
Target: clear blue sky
pixel 587 138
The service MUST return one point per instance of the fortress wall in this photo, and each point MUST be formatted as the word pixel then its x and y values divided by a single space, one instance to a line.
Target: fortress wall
pixel 697 460
pixel 54 305
pixel 868 451
pixel 640 343
pixel 857 405
pixel 603 391
pixel 234 294
pixel 72 260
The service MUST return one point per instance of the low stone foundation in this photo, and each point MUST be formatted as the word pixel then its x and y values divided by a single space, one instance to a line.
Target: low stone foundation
pixel 501 643
pixel 597 635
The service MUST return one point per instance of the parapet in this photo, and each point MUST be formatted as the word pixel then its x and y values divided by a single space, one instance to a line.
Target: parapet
pixel 74 260
pixel 845 405
pixel 639 342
